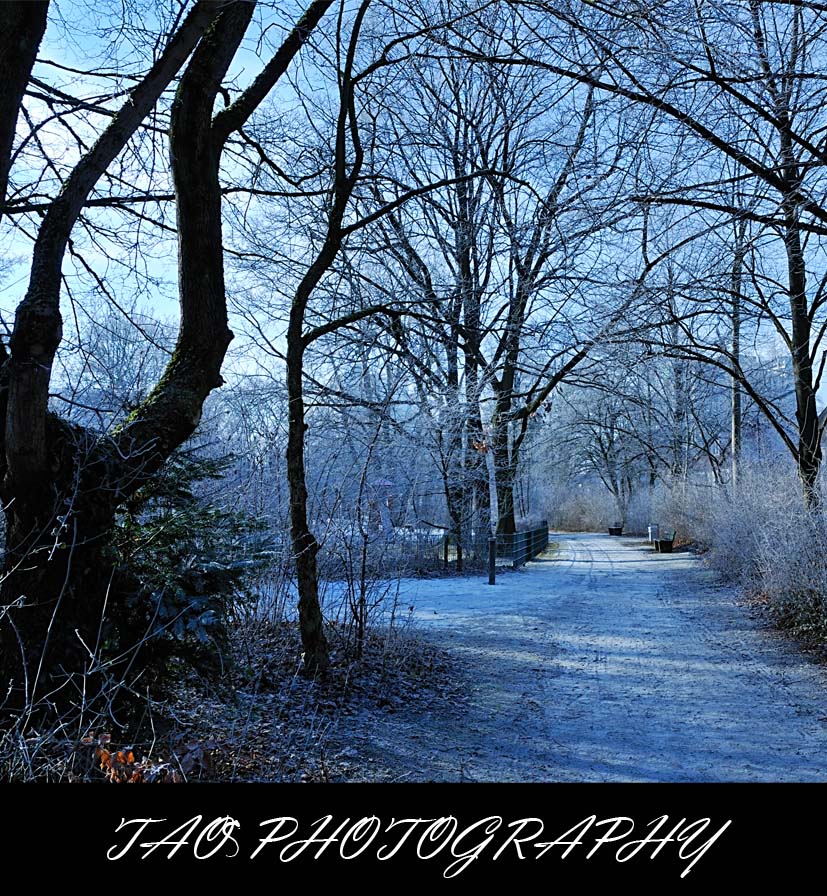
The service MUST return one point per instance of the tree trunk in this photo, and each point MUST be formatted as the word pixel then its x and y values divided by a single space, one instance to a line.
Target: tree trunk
pixel 455 496
pixel 505 468
pixel 59 571
pixel 680 398
pixel 478 512
pixel 507 523
pixel 467 230
pixel 22 26
pixel 806 410
pixel 737 414
pixel 305 546
pixel 505 449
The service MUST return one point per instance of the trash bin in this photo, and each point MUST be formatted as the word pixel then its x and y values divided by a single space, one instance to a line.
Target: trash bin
pixel 654 533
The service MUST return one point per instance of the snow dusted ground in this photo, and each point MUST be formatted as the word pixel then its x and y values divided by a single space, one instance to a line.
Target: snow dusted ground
pixel 605 662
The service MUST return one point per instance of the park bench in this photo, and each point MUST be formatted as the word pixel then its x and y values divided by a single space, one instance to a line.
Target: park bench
pixel 664 545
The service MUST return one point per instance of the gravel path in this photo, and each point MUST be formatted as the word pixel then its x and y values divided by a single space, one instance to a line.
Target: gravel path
pixel 605 662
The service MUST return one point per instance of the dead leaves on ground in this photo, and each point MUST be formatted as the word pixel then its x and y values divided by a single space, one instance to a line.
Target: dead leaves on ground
pixel 122 766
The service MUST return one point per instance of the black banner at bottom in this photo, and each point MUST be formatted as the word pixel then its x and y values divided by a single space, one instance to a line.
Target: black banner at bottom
pixel 682 835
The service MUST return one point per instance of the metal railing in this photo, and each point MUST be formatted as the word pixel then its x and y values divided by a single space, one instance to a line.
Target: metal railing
pixel 523 546
pixel 425 550
pixel 528 545
pixel 519 548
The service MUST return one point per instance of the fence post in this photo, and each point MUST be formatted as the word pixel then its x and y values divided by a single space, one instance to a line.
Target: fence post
pixel 492 560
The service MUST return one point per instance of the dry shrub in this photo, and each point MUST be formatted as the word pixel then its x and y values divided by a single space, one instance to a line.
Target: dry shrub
pixel 749 528
pixel 762 537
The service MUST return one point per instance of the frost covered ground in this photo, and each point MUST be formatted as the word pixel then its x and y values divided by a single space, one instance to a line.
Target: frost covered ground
pixel 605 662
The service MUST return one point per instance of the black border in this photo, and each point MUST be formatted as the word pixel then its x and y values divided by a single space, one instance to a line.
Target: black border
pixel 54 832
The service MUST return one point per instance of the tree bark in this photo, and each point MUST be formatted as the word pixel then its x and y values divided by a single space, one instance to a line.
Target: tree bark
pixel 58 572
pixel 507 521
pixel 505 459
pixel 22 26
pixel 478 510
pixel 806 409
pixel 736 436
pixel 505 450
pixel 455 482
pixel 305 546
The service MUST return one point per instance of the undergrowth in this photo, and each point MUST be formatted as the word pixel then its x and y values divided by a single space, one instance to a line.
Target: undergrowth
pixel 262 721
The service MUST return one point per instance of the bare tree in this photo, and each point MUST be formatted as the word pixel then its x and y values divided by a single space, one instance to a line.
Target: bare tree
pixel 62 482
pixel 742 81
pixel 498 265
pixel 355 195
